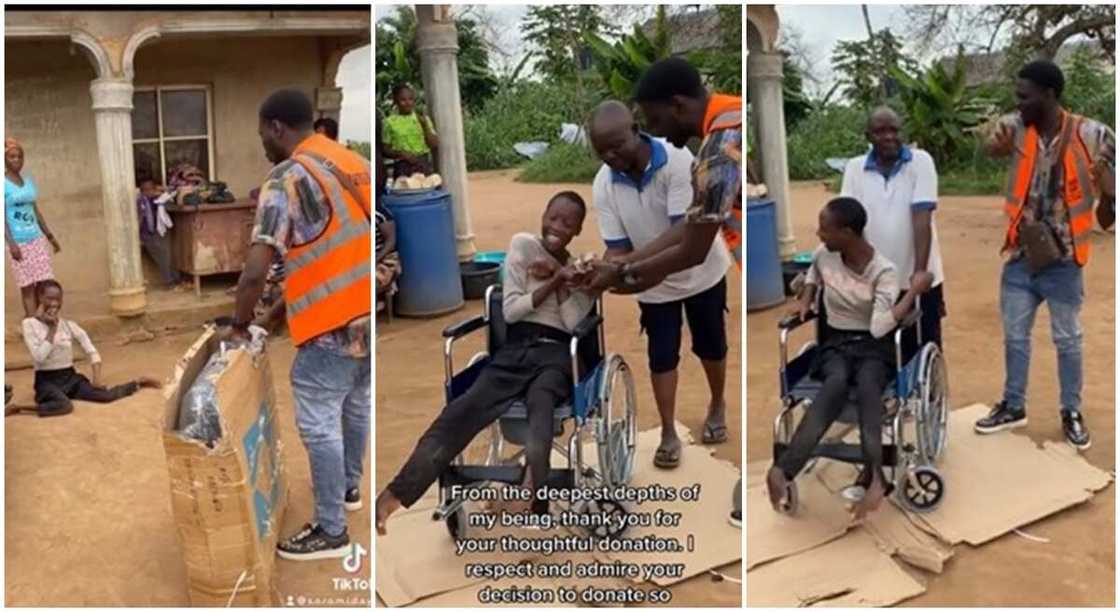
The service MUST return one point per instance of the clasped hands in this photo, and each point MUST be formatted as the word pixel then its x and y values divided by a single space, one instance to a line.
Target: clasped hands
pixel 590 274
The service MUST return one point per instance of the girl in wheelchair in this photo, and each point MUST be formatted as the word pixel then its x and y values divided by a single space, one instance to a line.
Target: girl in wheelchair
pixel 543 302
pixel 859 288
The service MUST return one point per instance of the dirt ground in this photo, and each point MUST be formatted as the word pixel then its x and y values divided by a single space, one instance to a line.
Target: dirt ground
pixel 409 364
pixel 1077 567
pixel 87 499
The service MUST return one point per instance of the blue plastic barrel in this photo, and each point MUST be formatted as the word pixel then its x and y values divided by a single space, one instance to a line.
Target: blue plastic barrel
pixel 764 266
pixel 429 283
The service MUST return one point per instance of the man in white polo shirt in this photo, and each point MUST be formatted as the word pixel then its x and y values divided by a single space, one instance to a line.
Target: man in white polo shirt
pixel 897 186
pixel 645 186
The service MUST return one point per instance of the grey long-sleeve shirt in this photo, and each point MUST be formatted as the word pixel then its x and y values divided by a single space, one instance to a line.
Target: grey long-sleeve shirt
pixel 856 302
pixel 563 309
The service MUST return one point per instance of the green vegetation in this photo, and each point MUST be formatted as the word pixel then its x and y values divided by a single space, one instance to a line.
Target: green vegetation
pixel 562 163
pixel 941 113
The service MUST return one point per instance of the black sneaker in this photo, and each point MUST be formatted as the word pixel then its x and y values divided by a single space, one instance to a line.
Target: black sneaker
pixel 353 501
pixel 1000 418
pixel 1076 433
pixel 313 543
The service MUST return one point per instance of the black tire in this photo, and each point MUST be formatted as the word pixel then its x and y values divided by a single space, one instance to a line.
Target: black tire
pixel 923 490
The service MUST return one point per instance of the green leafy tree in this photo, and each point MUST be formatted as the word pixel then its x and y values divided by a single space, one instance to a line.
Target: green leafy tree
pixel 941 109
pixel 621 65
pixel 864 67
pixel 398 61
pixel 795 104
pixel 1090 89
pixel 557 35
pixel 723 66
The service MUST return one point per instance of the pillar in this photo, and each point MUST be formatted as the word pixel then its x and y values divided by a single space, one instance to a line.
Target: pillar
pixel 112 112
pixel 437 43
pixel 764 78
pixel 328 102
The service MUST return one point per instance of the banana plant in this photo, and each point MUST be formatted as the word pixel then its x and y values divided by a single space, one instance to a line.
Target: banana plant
pixel 621 64
pixel 941 109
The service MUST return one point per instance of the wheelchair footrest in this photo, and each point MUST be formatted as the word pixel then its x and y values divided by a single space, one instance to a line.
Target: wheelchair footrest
pixel 848 453
pixel 509 474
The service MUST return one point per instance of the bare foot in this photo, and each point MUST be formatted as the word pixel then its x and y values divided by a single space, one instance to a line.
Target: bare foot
pixel 777 486
pixel 872 499
pixel 146 382
pixel 386 505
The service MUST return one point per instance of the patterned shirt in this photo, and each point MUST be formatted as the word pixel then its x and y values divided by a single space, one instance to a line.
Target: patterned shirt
pixel 1041 196
pixel 716 178
pixel 293 210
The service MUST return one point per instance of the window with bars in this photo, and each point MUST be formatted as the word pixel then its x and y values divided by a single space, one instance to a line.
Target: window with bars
pixel 171 125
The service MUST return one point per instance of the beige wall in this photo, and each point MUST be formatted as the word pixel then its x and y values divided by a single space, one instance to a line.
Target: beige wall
pixel 240 72
pixel 48 109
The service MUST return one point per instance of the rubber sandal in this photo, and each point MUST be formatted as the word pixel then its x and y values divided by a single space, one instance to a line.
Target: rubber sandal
pixel 667 459
pixel 713 434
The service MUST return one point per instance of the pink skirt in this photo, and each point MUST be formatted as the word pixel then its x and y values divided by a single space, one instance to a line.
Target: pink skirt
pixel 35 264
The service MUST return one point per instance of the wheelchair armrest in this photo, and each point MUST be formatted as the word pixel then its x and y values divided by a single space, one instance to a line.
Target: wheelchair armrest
pixel 463 328
pixel 587 325
pixel 794 320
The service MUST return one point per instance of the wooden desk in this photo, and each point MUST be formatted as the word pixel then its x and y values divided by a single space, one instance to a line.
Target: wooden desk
pixel 211 238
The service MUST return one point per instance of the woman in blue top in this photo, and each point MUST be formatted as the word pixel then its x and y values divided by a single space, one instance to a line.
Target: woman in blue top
pixel 26 231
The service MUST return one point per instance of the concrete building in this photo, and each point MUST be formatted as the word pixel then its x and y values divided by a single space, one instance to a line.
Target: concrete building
pixel 764 94
pixel 91 95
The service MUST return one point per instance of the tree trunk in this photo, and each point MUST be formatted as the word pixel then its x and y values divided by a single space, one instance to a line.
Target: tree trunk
pixel 867 22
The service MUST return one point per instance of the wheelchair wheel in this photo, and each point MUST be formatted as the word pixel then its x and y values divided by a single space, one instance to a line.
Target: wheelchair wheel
pixel 933 411
pixel 615 527
pixel 617 432
pixel 923 489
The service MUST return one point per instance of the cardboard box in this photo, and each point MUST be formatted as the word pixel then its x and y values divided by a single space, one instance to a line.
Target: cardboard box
pixel 228 501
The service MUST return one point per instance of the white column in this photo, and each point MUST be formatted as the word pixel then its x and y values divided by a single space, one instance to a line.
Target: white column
pixel 437 43
pixel 764 78
pixel 112 111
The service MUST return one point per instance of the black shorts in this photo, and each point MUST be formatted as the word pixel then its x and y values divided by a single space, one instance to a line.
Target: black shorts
pixel 705 313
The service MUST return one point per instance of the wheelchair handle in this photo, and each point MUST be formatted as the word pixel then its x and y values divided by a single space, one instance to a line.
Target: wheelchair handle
pixel 462 328
pixel 794 320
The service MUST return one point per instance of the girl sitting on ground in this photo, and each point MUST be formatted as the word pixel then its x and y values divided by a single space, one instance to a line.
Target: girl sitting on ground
pixel 50 340
pixel 860 288
pixel 542 302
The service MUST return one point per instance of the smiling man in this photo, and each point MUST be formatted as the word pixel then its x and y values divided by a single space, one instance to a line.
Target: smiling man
pixel 1060 164
pixel 897 186
pixel 642 190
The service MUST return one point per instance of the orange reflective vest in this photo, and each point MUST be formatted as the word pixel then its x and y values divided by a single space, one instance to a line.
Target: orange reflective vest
pixel 327 281
pixel 726 112
pixel 1078 189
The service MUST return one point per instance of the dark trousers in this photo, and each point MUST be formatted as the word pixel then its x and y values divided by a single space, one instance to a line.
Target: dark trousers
pixel 933 309
pixel 839 370
pixel 540 372
pixel 159 249
pixel 55 388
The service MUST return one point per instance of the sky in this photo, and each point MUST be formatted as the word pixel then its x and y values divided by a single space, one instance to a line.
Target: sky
pixel 355 78
pixel 823 26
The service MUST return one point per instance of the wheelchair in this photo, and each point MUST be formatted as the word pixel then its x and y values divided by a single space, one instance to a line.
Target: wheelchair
pixel 602 405
pixel 915 413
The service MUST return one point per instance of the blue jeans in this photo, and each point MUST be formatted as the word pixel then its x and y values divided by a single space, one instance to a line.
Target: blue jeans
pixel 332 397
pixel 1021 293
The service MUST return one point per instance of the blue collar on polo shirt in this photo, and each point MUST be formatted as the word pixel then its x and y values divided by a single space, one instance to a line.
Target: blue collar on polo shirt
pixel 904 156
pixel 657 160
